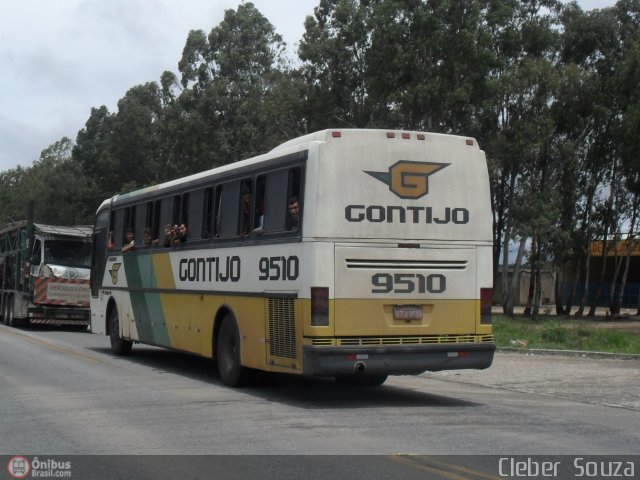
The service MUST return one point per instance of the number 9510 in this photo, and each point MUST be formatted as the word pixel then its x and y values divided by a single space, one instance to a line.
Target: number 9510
pixel 408 283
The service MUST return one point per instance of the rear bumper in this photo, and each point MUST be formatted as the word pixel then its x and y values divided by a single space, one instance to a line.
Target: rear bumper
pixel 409 360
pixel 42 315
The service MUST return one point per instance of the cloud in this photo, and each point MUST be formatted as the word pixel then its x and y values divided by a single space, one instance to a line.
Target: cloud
pixel 61 58
pixel 19 140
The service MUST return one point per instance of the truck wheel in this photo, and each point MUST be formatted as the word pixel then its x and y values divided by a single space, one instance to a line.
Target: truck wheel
pixel 4 311
pixel 9 318
pixel 10 315
pixel 119 346
pixel 232 373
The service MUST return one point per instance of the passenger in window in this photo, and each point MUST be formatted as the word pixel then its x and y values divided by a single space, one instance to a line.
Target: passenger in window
pixel 146 237
pixel 293 220
pixel 129 243
pixel 181 235
pixel 260 228
pixel 110 245
pixel 245 220
pixel 259 218
pixel 169 235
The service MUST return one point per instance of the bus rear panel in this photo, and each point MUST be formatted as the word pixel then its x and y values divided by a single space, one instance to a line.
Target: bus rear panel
pixel 408 219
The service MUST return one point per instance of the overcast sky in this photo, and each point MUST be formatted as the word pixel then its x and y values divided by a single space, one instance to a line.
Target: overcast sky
pixel 60 58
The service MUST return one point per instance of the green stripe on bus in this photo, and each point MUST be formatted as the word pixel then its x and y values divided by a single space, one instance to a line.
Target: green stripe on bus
pixel 150 321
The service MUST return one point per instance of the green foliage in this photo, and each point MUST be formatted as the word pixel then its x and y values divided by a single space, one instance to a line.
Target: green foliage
pixel 564 334
pixel 554 333
pixel 56 185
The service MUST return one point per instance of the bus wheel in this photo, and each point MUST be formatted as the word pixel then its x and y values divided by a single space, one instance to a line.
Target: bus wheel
pixel 232 373
pixel 361 380
pixel 119 346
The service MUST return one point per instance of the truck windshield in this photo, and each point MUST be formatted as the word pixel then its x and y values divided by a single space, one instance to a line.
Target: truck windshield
pixel 67 253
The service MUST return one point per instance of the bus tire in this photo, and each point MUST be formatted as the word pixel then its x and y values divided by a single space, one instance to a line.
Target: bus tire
pixel 232 373
pixel 361 380
pixel 119 346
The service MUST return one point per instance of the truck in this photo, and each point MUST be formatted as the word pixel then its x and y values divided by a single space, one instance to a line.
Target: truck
pixel 44 274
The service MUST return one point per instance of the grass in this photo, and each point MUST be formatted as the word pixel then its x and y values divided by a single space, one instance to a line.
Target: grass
pixel 563 334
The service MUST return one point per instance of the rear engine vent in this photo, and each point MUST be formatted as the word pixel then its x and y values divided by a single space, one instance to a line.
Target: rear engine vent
pixel 282 328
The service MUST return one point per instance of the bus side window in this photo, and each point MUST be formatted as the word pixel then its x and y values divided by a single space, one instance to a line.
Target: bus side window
pixel 128 224
pixel 100 249
pixel 148 226
pixel 217 219
pixel 140 225
pixel 193 217
pixel 228 210
pixel 155 225
pixel 207 213
pixel 117 227
pixel 177 209
pixel 186 205
pixel 246 202
pixel 276 201
pixel 259 205
pixel 166 219
pixel 294 202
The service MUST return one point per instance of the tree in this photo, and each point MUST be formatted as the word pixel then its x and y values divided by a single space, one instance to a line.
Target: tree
pixel 232 80
pixel 596 43
pixel 54 183
pixel 133 144
pixel 91 152
pixel 12 206
pixel 520 138
pixel 59 189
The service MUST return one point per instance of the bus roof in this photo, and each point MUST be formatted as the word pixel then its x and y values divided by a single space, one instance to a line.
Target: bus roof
pixel 333 133
pixel 289 147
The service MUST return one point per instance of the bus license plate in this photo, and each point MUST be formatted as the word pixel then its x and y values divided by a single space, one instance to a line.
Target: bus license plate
pixel 407 312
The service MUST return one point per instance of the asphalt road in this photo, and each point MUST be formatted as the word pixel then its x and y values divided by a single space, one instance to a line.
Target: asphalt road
pixel 64 393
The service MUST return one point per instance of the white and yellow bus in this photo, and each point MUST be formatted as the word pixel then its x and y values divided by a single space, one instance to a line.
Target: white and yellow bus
pixel 386 269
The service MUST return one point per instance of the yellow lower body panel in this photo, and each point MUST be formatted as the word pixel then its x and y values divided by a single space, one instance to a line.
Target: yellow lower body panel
pixel 354 317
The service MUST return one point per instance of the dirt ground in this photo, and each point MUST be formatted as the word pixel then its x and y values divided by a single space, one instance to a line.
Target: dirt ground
pixel 627 326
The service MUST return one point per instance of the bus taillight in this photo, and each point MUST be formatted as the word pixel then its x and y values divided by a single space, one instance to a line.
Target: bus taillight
pixel 319 306
pixel 486 296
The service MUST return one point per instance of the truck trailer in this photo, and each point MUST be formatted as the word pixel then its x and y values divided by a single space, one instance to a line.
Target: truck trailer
pixel 44 274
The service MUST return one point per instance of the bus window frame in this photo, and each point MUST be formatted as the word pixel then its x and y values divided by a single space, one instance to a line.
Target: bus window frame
pixel 225 199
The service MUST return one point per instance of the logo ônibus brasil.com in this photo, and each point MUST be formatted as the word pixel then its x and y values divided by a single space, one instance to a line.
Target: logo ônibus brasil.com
pixel 18 467
pixel 21 467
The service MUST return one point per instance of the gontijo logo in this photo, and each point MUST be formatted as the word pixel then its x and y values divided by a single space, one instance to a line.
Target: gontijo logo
pixel 409 179
pixel 114 272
